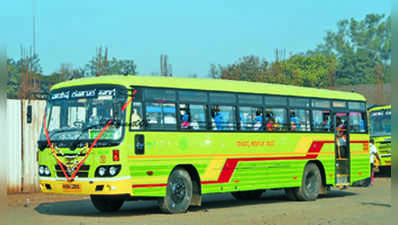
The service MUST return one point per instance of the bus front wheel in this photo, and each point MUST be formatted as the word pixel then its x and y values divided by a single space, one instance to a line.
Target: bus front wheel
pixel 310 184
pixel 107 203
pixel 178 193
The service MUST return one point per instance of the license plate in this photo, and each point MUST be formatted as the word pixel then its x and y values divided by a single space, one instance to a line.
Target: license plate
pixel 388 162
pixel 71 187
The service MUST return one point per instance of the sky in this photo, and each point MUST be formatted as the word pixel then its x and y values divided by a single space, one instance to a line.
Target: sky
pixel 194 34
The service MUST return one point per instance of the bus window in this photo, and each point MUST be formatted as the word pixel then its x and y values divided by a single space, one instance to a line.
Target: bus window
pixel 299 120
pixel 321 103
pixel 357 122
pixel 321 120
pixel 251 118
pixel 250 99
pixel 222 97
pixel 161 116
pixel 275 100
pixel 55 118
pixel 300 102
pixel 223 117
pixel 160 94
pixel 77 116
pixel 136 116
pixel 192 96
pixel 193 116
pixel 275 119
pixel 339 104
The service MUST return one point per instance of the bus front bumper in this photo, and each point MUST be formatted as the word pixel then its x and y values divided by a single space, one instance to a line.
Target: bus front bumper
pixel 102 186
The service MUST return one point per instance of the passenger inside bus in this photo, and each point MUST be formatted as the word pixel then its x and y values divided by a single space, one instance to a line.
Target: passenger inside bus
pixel 218 120
pixel 135 119
pixel 194 123
pixel 258 121
pixel 294 121
pixel 326 122
pixel 271 124
pixel 341 138
pixel 185 121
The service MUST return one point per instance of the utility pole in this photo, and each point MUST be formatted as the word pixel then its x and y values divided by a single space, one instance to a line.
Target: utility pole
pixel 166 69
pixel 33 53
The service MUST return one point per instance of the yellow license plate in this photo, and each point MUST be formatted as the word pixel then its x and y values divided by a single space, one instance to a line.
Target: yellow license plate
pixel 72 187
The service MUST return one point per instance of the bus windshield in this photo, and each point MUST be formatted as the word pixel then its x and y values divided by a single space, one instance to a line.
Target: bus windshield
pixel 380 123
pixel 81 114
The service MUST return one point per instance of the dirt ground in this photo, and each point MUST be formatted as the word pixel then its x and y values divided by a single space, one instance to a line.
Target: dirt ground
pixel 362 206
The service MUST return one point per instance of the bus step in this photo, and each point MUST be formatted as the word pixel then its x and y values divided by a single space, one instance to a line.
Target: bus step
pixel 342 175
pixel 342 185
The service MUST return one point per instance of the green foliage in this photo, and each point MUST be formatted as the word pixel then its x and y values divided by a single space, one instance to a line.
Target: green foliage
pixel 310 71
pixel 360 47
pixel 114 66
pixel 359 52
pixel 97 65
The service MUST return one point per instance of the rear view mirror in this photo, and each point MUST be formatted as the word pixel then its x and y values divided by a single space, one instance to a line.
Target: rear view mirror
pixel 29 114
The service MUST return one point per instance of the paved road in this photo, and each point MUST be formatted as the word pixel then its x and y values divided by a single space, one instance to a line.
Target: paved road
pixel 352 206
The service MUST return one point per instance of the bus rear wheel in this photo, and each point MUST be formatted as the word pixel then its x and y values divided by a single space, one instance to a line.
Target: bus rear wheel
pixel 247 195
pixel 310 184
pixel 179 192
pixel 107 203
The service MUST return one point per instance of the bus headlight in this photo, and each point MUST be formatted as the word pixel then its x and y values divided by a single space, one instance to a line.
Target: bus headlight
pixel 108 171
pixel 44 171
pixel 41 170
pixel 47 171
pixel 112 171
pixel 101 171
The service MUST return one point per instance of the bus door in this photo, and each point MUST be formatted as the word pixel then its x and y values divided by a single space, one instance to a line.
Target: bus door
pixel 342 148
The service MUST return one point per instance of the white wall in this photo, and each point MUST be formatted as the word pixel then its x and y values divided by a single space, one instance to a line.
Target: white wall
pixel 22 166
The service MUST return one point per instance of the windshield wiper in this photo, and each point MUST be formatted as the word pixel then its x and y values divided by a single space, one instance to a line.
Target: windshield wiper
pixel 43 144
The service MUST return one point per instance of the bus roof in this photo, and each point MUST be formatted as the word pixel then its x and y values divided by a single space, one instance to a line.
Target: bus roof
pixel 211 84
pixel 380 108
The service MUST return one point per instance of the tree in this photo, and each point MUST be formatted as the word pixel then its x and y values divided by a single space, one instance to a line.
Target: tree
pixel 360 47
pixel 249 68
pixel 309 71
pixel 117 66
pixel 100 65
pixel 213 72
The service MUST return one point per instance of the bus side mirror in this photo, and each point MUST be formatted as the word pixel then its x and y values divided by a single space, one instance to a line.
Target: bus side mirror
pixel 29 114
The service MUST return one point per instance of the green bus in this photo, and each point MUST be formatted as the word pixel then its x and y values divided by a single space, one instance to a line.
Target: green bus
pixel 380 131
pixel 119 138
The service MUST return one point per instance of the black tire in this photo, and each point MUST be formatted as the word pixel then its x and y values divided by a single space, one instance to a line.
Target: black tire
pixel 310 184
pixel 107 203
pixel 179 192
pixel 291 194
pixel 247 195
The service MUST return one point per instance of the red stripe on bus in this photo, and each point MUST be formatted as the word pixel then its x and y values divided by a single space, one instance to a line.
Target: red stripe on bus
pixel 230 164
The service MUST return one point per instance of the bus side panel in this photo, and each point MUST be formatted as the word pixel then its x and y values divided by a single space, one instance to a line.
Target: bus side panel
pixel 383 145
pixel 327 159
pixel 229 161
pixel 360 158
pixel 150 175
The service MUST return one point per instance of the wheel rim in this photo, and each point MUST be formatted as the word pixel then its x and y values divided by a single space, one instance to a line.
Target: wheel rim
pixel 178 190
pixel 311 182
